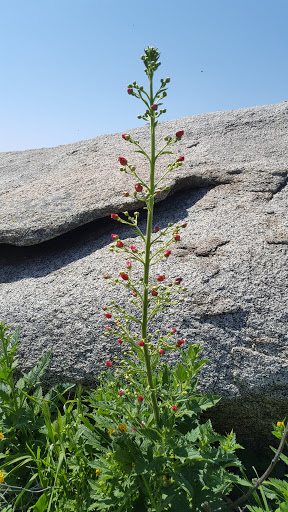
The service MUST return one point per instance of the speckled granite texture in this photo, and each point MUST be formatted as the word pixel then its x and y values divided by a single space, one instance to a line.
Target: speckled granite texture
pixel 231 190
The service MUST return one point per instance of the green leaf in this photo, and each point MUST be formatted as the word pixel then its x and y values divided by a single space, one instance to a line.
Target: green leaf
pixel 41 504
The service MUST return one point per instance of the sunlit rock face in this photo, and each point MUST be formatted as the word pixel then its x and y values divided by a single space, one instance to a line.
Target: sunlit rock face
pixel 55 232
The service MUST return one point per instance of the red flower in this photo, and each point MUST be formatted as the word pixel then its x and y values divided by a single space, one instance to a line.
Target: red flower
pixel 134 430
pixel 119 244
pixel 161 278
pixel 114 216
pixel 177 238
pixel 104 308
pixel 174 408
pixel 125 136
pixel 170 284
pixel 128 265
pixel 120 341
pixel 143 423
pixel 181 159
pixel 124 276
pixel 109 364
pixel 173 330
pixel 161 351
pixel 167 254
pixel 154 293
pixel 130 90
pixel 140 398
pixel 154 107
pixel 133 249
pixel 134 293
pixel 156 228
pixel 184 225
pixel 141 343
pixel 179 343
pixel 108 315
pixel 179 134
pixel 108 328
pixel 114 237
pixel 122 160
pixel 178 280
pixel 138 187
pixel 121 392
pixel 106 276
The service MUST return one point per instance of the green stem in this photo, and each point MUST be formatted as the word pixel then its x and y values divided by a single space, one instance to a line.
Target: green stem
pixel 150 207
pixel 149 492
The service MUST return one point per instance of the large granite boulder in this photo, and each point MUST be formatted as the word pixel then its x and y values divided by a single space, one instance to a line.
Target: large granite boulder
pixel 55 231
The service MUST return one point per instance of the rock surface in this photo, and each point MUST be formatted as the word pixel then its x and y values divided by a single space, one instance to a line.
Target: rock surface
pixel 232 192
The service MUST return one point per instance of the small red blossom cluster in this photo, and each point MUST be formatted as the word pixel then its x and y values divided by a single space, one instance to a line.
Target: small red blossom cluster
pixel 133 249
pixel 156 229
pixel 109 364
pixel 180 134
pixel 161 278
pixel 179 343
pixel 154 106
pixel 161 351
pixel 181 159
pixel 114 216
pixel 174 408
pixel 125 136
pixel 178 280
pixel 140 398
pixel 141 343
pixel 122 160
pixel 119 244
pixel 167 254
pixel 124 276
pixel 177 238
pixel 138 187
pixel 108 315
pixel 154 293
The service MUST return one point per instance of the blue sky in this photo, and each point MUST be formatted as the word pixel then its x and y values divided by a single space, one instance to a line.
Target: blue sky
pixel 66 63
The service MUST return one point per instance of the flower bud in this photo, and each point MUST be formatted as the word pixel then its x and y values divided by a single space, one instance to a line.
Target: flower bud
pixel 140 398
pixel 122 160
pixel 179 134
pixel 156 229
pixel 120 341
pixel 124 276
pixel 126 194
pixel 181 159
pixel 161 278
pixel 125 136
pixel 106 276
pixel 109 364
pixel 177 238
pixel 154 293
pixel 133 249
pixel 158 192
pixel 114 216
pixel 154 107
pixel 161 351
pixel 167 80
pixel 108 315
pixel 121 392
pixel 141 343
pixel 174 408
pixel 119 244
pixel 138 187
pixel 167 254
pixel 184 225
pixel 114 237
pixel 130 90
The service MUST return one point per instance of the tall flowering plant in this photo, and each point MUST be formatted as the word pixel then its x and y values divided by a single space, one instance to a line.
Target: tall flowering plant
pixel 152 453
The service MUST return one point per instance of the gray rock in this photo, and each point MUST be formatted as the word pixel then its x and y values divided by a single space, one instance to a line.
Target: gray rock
pixel 232 191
